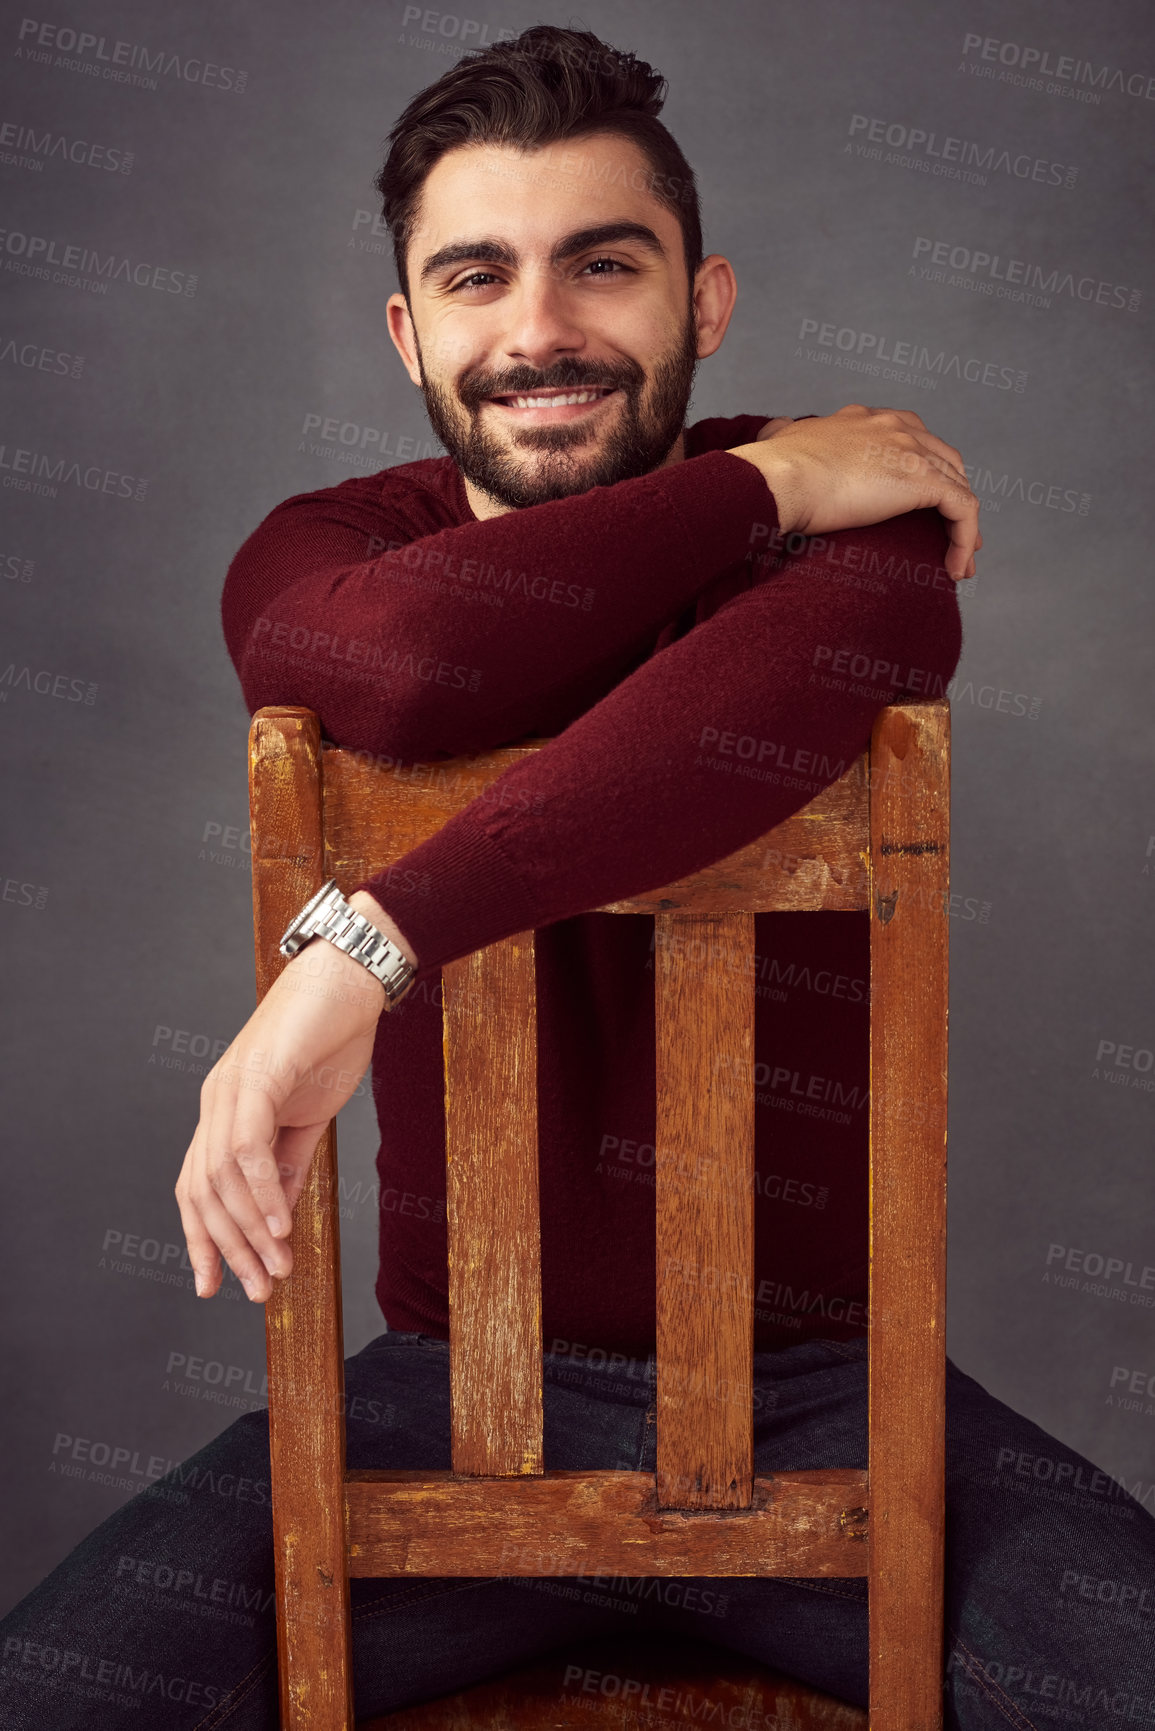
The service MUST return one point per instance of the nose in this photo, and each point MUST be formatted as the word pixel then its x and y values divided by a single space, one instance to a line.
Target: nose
pixel 541 326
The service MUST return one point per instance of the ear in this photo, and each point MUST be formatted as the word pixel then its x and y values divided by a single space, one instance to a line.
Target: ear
pixel 715 291
pixel 400 322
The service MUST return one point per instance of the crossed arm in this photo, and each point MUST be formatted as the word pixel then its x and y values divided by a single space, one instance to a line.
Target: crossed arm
pixel 845 477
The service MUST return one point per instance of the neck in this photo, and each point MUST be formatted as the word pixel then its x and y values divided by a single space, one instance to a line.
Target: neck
pixel 485 505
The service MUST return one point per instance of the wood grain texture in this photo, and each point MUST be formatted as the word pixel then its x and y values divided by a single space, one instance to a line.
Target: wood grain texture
pixel 814 860
pixel 499 1512
pixel 303 1316
pixel 495 1345
pixel 910 830
pixel 600 1523
pixel 621 1683
pixel 704 1188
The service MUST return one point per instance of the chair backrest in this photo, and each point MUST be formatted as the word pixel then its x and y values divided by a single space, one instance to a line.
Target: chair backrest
pixel 876 841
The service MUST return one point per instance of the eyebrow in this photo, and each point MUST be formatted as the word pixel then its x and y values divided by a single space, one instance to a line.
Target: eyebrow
pixel 490 250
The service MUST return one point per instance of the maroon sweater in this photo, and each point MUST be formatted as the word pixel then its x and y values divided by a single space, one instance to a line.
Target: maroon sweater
pixel 700 677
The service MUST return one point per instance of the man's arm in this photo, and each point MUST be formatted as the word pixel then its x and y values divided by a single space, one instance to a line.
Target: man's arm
pixel 652 783
pixel 318 611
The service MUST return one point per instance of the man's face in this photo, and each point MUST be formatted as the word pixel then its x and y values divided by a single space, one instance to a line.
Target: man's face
pixel 536 279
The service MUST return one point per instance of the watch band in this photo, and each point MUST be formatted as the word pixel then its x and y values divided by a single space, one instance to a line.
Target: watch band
pixel 328 915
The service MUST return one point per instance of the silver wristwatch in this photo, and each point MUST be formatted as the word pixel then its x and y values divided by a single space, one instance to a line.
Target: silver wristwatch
pixel 328 915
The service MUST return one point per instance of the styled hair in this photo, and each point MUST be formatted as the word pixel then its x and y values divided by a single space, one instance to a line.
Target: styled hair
pixel 546 85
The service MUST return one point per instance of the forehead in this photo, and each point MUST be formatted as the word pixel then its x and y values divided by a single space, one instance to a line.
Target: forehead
pixel 534 197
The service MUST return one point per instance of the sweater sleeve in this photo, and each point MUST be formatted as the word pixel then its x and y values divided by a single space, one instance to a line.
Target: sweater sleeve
pixel 714 740
pixel 398 643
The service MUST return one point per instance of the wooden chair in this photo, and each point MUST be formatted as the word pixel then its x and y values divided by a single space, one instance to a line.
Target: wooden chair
pixel 876 841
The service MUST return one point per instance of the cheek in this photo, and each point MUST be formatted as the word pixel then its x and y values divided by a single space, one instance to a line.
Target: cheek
pixel 451 351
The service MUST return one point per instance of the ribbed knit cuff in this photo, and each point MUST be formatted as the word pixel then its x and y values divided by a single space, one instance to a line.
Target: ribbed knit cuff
pixel 732 511
pixel 453 893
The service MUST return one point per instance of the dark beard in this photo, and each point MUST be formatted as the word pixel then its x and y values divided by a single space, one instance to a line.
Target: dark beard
pixel 637 445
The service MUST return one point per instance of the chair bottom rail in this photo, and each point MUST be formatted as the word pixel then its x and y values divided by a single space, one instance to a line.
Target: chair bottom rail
pixel 417 1523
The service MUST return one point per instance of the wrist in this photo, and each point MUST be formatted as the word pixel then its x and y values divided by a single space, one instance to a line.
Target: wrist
pixel 321 970
pixel 363 903
pixel 780 473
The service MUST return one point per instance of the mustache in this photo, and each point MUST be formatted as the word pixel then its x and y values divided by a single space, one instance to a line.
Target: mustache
pixel 568 376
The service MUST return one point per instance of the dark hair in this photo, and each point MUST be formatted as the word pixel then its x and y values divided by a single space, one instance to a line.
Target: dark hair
pixel 546 85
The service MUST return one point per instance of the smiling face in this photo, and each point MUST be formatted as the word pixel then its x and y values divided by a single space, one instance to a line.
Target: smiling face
pixel 553 331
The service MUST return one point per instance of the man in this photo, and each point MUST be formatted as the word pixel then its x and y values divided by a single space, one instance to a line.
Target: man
pixel 650 597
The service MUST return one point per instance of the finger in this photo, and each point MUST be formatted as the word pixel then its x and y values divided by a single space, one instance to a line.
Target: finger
pixel 202 1252
pixel 961 510
pixel 254 1132
pixel 238 1154
pixel 942 449
pixel 917 457
pixel 226 1180
pixel 949 492
pixel 234 1246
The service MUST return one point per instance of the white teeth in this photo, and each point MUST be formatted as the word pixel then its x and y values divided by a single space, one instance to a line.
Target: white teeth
pixel 552 402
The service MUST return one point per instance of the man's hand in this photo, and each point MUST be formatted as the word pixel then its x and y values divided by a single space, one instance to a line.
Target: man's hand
pixel 265 1105
pixel 861 466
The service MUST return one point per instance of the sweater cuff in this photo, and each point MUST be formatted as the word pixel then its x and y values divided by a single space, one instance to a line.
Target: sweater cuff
pixel 731 509
pixel 452 894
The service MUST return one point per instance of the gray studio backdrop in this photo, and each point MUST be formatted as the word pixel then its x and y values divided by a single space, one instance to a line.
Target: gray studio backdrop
pixel 970 182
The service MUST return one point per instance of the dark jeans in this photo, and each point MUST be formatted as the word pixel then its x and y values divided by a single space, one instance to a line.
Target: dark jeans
pixel 163 1616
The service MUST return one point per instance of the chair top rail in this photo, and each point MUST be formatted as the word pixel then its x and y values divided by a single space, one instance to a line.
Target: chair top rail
pixel 816 859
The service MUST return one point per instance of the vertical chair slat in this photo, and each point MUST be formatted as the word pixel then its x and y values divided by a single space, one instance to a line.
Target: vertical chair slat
pixel 909 837
pixel 303 1316
pixel 490 1043
pixel 704 1177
